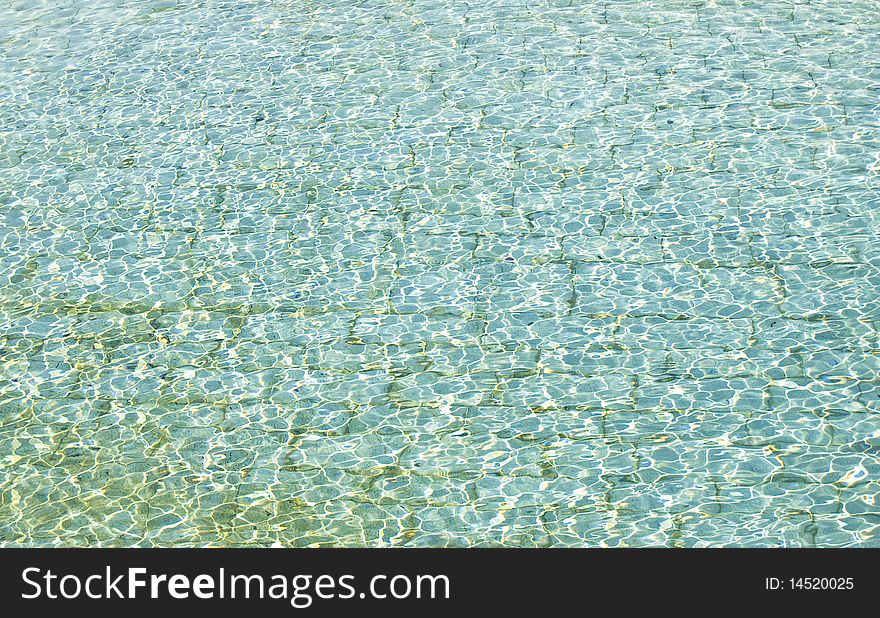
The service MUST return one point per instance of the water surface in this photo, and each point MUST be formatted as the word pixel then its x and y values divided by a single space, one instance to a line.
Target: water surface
pixel 439 273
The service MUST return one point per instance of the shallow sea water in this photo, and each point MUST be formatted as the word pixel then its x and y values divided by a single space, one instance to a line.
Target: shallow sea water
pixel 439 273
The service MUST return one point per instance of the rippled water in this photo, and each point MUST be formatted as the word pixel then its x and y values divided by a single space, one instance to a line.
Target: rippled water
pixel 439 273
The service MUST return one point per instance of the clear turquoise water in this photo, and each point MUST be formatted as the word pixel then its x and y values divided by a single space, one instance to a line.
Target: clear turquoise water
pixel 431 273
